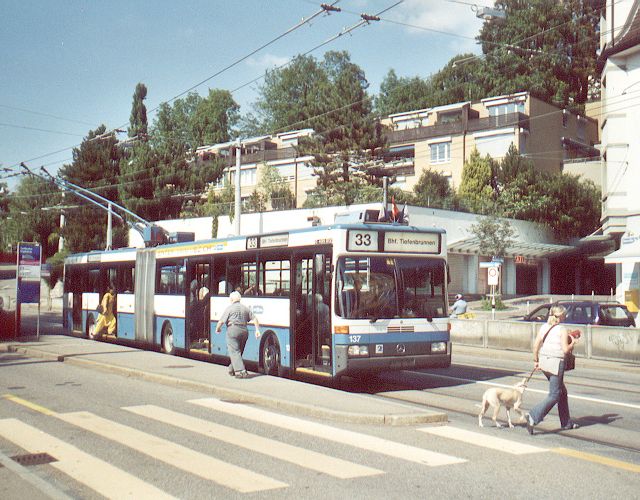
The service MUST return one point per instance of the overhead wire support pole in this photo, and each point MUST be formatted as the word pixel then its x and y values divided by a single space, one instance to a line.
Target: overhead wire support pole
pixel 238 197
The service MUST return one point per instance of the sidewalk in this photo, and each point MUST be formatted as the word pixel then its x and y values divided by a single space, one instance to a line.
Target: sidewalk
pixel 270 392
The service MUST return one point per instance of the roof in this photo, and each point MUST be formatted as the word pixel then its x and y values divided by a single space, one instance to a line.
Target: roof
pixel 626 254
pixel 526 249
pixel 628 37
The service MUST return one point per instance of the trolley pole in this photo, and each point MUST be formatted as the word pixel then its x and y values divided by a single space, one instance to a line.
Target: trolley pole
pixel 238 197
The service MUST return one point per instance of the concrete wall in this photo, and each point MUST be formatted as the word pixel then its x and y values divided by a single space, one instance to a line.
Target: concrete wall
pixel 597 342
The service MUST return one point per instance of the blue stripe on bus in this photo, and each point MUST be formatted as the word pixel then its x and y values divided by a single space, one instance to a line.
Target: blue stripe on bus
pixel 372 338
pixel 126 325
pixel 251 351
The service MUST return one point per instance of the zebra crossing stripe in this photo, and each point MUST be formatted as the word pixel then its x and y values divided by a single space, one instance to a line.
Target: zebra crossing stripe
pixel 181 457
pixel 94 473
pixel 304 458
pixel 484 440
pixel 327 432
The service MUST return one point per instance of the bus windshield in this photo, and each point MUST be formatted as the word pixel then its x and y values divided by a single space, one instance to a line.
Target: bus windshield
pixel 390 287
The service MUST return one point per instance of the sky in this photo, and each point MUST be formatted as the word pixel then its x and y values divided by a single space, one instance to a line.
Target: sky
pixel 69 66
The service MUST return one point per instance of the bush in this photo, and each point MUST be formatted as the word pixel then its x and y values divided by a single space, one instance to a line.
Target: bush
pixel 486 303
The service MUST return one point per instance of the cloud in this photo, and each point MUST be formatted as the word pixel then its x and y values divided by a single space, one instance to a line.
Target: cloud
pixel 457 19
pixel 267 61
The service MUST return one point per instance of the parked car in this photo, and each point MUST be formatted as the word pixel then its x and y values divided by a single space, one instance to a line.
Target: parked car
pixel 586 312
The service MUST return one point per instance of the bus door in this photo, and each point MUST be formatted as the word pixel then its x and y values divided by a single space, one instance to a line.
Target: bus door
pixel 198 305
pixel 311 312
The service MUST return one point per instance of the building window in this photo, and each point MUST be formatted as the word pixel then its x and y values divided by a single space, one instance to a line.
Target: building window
pixel 505 109
pixel 440 152
pixel 581 130
pixel 247 177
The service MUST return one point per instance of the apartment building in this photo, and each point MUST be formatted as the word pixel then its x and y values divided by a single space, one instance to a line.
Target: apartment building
pixel 440 138
pixel 277 151
pixel 619 65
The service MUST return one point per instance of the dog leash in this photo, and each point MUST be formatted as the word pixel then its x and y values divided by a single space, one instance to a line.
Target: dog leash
pixel 529 377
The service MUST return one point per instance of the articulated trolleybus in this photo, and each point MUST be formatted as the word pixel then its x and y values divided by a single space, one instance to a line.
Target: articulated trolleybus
pixel 343 299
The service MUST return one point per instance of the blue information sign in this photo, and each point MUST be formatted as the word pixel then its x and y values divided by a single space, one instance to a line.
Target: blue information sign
pixel 28 273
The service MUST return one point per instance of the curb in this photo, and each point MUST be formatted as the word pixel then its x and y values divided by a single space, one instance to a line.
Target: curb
pixel 419 417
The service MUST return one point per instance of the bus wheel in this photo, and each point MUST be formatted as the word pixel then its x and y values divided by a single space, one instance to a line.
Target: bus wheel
pixel 167 339
pixel 91 328
pixel 271 356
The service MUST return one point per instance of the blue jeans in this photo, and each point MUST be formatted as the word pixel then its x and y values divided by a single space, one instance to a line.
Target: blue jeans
pixel 557 395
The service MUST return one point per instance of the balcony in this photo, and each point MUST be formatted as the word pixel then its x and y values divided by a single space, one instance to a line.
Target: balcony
pixel 265 156
pixel 457 128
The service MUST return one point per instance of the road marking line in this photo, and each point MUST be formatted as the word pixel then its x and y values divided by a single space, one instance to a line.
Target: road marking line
pixel 97 474
pixel 30 405
pixel 539 391
pixel 597 459
pixel 358 440
pixel 309 459
pixel 178 456
pixel 480 439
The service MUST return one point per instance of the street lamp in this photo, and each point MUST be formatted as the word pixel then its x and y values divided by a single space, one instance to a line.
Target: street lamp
pixel 489 13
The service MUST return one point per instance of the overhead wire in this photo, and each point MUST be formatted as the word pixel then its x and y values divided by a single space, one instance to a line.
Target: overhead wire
pixel 330 111
pixel 288 31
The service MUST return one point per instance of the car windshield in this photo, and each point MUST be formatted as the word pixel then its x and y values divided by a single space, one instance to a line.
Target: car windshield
pixel 385 287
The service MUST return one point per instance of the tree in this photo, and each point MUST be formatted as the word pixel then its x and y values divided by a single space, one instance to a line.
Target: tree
pixel 544 47
pixel 433 190
pixel 95 166
pixel 573 208
pixel 494 235
pixel 477 187
pixel 403 94
pixel 275 189
pixel 562 202
pixel 138 126
pixel 348 147
pixel 26 219
pixel 162 175
pixel 214 119
pixel 294 96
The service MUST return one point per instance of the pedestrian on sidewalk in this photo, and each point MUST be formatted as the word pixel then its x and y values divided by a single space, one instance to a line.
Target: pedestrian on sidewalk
pixel 551 345
pixel 236 317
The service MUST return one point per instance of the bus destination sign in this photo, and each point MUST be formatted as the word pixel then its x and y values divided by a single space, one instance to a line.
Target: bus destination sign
pixel 268 241
pixel 396 241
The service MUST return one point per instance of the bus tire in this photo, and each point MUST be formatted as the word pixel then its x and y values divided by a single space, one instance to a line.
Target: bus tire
pixel 270 356
pixel 167 339
pixel 91 328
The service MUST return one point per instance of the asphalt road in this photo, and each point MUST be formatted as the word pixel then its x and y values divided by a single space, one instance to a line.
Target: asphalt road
pixel 114 435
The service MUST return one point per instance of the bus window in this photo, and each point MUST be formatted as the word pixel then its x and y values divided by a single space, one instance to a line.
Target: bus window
pixel 422 293
pixel 125 280
pixel 93 281
pixel 219 279
pixel 73 279
pixel 275 275
pixel 242 275
pixel 171 279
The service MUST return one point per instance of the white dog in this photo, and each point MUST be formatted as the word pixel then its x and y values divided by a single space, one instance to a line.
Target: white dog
pixel 508 397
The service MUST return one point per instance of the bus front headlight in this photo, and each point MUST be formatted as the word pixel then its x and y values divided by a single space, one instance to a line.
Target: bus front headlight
pixel 438 347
